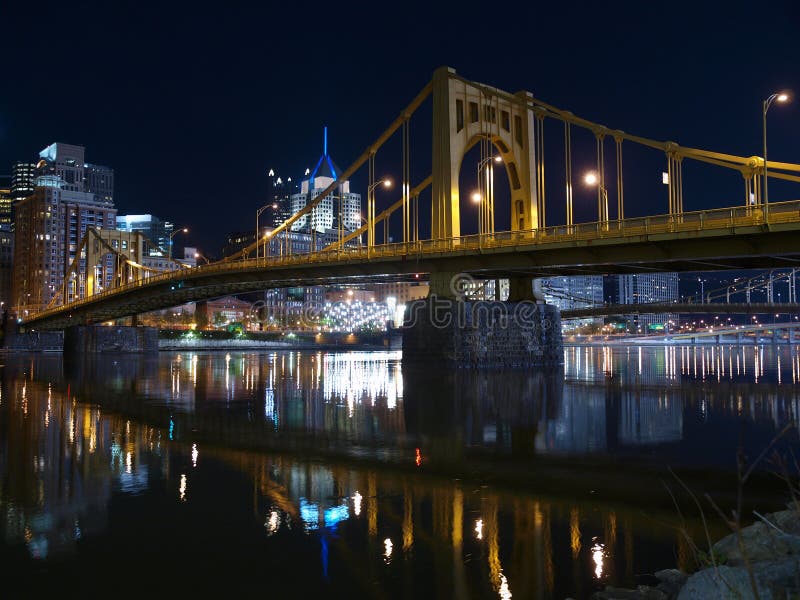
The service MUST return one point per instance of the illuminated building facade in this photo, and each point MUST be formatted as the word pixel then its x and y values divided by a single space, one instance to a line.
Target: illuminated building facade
pixel 646 288
pixel 341 209
pixel 50 224
pixel 6 206
pixel 22 176
pixel 580 291
pixel 152 228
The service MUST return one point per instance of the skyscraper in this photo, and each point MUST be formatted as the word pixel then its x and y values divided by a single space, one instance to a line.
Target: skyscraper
pixel 50 224
pixel 152 228
pixel 22 176
pixel 647 288
pixel 279 197
pixel 340 208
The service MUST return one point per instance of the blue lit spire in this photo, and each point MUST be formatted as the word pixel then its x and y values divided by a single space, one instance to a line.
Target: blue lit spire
pixel 325 166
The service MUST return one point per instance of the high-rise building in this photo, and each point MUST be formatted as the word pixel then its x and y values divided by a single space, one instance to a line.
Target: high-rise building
pixel 6 206
pixel 339 209
pixel 6 258
pixel 66 161
pixel 50 224
pixel 577 291
pixel 647 288
pixel 100 182
pixel 280 199
pixel 154 229
pixel 22 176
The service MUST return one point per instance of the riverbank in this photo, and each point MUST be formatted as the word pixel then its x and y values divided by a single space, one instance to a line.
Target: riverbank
pixel 761 560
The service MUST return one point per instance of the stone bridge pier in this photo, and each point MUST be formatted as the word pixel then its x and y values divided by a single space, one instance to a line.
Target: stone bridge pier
pixel 446 330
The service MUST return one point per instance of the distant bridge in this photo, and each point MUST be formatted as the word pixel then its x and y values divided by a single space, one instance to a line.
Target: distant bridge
pixel 733 308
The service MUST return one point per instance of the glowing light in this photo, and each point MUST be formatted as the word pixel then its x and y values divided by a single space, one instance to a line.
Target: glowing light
pixel 418 457
pixel 479 529
pixel 476 197
pixel 272 523
pixel 782 97
pixel 590 178
pixel 387 548
pixel 504 592
pixel 357 503
pixel 182 488
pixel 195 452
pixel 597 557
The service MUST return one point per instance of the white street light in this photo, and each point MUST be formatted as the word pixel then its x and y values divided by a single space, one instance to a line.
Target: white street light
pixel 172 235
pixel 387 183
pixel 486 198
pixel 782 98
pixel 591 178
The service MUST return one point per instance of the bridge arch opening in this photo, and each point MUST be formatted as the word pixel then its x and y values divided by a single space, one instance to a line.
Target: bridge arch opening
pixel 499 186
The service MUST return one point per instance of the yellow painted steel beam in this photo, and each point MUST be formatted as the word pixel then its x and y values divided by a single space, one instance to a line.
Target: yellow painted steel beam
pixel 404 115
pixel 382 216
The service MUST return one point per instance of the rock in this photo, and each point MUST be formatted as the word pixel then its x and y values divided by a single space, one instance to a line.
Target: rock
pixel 760 542
pixel 775 580
pixel 671 581
pixel 642 592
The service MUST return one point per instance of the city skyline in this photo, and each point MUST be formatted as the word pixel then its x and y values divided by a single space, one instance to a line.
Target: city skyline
pixel 226 113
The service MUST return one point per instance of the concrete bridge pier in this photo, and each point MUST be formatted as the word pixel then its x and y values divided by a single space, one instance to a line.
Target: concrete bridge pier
pixel 94 339
pixel 446 330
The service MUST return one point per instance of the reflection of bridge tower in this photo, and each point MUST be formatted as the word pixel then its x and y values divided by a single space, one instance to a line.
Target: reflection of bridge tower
pixel 464 113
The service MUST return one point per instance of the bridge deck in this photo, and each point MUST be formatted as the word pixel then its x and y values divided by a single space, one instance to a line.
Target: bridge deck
pixel 705 240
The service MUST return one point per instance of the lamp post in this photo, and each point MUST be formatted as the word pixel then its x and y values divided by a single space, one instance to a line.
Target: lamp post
pixel 781 98
pixel 592 179
pixel 197 255
pixel 486 198
pixel 387 183
pixel 272 205
pixel 172 235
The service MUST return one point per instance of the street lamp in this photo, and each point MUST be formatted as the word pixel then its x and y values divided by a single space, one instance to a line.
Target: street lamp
pixel 198 255
pixel 591 179
pixel 172 235
pixel 273 206
pixel 387 183
pixel 486 208
pixel 781 98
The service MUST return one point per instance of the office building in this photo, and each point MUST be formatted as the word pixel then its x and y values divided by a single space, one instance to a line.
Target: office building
pixel 6 206
pixel 341 209
pixel 50 224
pixel 579 291
pixel 647 288
pixel 280 207
pixel 22 176
pixel 6 264
pixel 152 228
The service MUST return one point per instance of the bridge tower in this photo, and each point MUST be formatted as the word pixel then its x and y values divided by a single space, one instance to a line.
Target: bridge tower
pixel 464 113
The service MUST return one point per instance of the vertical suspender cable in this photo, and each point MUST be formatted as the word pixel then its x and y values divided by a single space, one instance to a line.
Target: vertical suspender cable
pixel 568 169
pixel 620 183
pixel 540 189
pixel 602 197
pixel 371 202
pixel 406 184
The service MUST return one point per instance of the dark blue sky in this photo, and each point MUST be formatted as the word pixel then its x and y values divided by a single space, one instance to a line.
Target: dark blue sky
pixel 192 103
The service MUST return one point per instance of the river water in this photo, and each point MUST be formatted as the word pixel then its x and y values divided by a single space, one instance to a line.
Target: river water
pixel 344 475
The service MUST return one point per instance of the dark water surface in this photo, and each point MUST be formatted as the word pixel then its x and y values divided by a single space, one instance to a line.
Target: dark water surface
pixel 343 475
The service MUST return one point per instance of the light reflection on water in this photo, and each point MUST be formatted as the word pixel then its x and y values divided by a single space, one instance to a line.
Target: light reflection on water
pixel 78 437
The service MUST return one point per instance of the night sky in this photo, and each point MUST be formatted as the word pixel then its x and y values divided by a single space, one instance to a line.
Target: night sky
pixel 193 103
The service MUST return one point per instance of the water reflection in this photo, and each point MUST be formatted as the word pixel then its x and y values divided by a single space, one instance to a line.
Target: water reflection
pixel 77 436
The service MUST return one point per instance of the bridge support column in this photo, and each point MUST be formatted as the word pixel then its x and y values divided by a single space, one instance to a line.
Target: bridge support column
pixel 445 330
pixel 91 339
